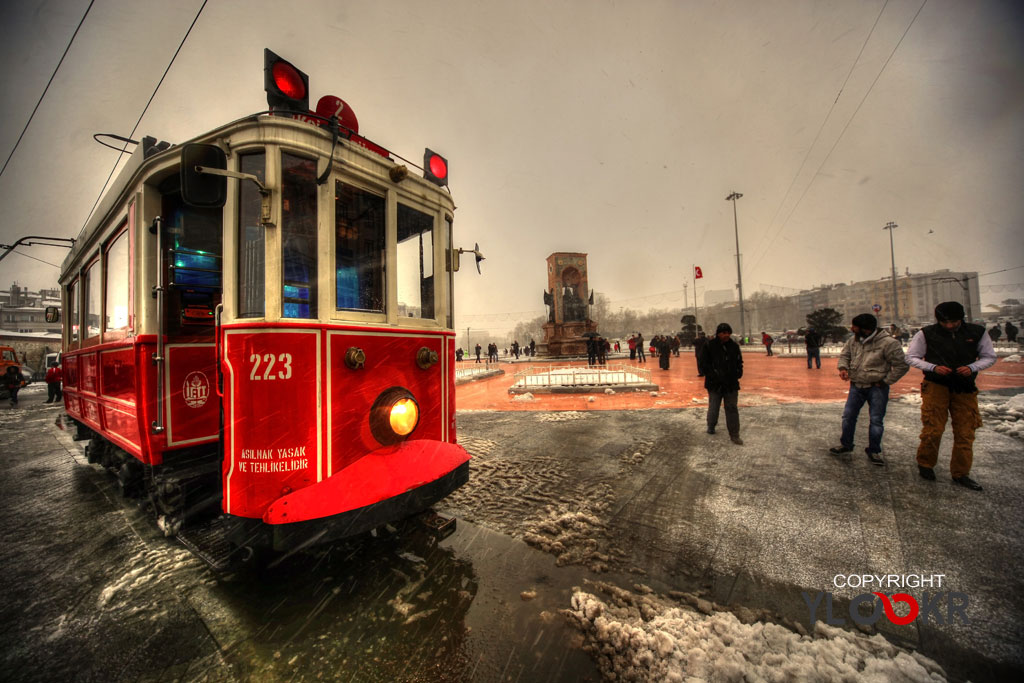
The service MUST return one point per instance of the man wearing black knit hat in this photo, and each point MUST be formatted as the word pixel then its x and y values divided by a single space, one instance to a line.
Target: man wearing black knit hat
pixel 951 353
pixel 721 364
pixel 872 360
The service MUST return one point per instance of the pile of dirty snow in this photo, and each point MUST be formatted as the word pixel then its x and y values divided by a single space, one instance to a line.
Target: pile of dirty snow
pixel 574 533
pixel 523 398
pixel 1005 417
pixel 563 416
pixel 646 637
pixel 1015 358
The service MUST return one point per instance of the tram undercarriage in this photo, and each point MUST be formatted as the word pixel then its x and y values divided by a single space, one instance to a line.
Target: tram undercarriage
pixel 184 497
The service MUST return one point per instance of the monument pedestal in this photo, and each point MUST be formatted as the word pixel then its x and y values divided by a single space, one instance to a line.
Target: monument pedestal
pixel 568 295
pixel 566 339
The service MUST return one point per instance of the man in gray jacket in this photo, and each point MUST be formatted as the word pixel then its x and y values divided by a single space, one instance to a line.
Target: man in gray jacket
pixel 871 361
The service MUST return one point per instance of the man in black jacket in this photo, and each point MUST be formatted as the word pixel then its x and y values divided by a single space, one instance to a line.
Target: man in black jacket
pixel 721 364
pixel 951 353
pixel 813 341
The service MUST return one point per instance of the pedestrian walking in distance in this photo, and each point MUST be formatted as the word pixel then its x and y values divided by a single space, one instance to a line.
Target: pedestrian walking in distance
pixel 767 340
pixel 721 363
pixel 951 353
pixel 698 346
pixel 813 341
pixel 872 360
pixel 1011 333
pixel 14 381
pixel 54 377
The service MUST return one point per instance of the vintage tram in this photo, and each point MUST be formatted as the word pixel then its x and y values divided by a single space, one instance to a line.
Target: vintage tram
pixel 258 330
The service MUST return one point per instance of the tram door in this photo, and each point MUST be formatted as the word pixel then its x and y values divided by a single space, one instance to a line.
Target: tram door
pixel 192 273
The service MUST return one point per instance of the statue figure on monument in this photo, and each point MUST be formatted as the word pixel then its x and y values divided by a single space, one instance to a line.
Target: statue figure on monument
pixel 549 301
pixel 572 304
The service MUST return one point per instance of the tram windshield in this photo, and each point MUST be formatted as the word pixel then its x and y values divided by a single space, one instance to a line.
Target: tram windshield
pixel 359 249
pixel 415 263
pixel 298 236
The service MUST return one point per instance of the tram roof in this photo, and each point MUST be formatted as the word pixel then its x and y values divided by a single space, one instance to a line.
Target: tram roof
pixel 143 161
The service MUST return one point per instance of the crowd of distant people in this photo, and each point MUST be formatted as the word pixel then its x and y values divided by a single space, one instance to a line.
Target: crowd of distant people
pixel 950 352
pixel 664 346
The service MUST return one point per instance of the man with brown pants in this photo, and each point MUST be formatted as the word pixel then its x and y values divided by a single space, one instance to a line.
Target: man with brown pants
pixel 951 353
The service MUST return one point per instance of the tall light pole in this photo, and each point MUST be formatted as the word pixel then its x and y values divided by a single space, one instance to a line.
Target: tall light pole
pixel 739 275
pixel 890 226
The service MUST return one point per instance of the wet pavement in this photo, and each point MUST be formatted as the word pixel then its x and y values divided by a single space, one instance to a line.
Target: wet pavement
pixel 558 496
pixel 94 592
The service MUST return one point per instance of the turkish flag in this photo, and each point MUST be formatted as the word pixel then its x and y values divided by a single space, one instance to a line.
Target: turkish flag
pixel 696 273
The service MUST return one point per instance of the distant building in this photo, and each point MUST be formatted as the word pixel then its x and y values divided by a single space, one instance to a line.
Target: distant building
pixel 713 297
pixel 918 294
pixel 24 311
pixel 23 324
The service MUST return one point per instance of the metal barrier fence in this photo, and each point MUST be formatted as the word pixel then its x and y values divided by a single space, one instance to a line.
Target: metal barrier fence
pixel 466 369
pixel 579 375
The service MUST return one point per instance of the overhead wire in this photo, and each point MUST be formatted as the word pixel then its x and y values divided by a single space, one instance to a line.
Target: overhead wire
pixel 821 128
pixel 15 251
pixel 52 76
pixel 840 137
pixel 144 110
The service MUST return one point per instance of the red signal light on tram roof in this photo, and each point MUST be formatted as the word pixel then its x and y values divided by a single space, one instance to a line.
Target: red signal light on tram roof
pixel 435 168
pixel 287 87
pixel 288 80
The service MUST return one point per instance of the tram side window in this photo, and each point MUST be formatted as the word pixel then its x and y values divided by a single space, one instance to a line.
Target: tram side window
pixel 415 263
pixel 193 262
pixel 251 253
pixel 73 312
pixel 117 283
pixel 358 249
pixel 93 284
pixel 298 236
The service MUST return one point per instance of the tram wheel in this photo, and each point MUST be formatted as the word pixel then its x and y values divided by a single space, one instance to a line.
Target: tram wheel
pixel 129 479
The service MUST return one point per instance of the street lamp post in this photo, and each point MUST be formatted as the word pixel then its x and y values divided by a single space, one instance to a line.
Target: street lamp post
pixel 890 226
pixel 739 275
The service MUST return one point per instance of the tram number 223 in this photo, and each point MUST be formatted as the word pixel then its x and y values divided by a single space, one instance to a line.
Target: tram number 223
pixel 274 368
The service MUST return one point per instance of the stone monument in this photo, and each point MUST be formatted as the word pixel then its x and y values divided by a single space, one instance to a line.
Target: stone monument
pixel 568 299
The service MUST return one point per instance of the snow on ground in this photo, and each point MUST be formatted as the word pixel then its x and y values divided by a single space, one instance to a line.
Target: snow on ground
pixel 563 416
pixel 1005 417
pixel 640 636
pixel 574 533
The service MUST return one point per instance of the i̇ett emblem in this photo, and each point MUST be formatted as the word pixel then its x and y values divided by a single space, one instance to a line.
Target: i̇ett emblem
pixel 196 390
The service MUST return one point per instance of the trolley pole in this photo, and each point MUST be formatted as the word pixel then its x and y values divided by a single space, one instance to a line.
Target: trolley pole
pixel 739 275
pixel 890 226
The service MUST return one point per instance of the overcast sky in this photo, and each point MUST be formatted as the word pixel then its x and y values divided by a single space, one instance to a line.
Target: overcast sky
pixel 611 128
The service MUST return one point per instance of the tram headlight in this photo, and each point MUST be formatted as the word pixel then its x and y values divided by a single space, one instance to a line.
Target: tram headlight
pixel 404 416
pixel 394 415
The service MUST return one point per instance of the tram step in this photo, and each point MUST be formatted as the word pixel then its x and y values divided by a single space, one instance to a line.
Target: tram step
pixel 441 527
pixel 209 541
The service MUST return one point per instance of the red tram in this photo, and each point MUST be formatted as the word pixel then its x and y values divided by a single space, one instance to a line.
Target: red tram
pixel 258 332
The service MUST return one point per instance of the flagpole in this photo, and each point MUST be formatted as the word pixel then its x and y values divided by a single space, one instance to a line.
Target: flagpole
pixel 693 272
